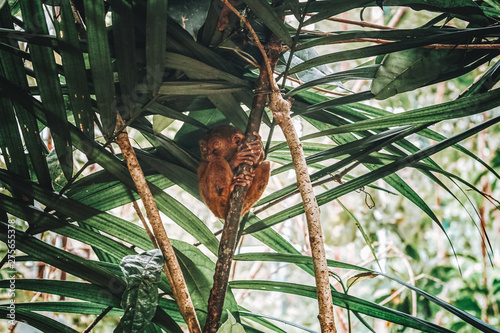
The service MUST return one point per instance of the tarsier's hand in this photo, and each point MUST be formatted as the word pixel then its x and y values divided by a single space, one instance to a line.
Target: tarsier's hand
pixel 251 153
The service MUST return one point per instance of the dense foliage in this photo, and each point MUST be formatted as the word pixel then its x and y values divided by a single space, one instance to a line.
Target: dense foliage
pixel 397 101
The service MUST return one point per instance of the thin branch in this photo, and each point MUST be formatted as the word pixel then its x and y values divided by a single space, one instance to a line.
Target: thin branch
pixel 257 43
pixel 171 267
pixel 98 319
pixel 315 88
pixel 397 17
pixel 359 23
pixel 479 46
pixel 144 223
pixel 294 44
pixel 12 328
pixel 472 46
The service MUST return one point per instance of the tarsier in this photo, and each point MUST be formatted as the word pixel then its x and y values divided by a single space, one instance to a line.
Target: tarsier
pixel 222 150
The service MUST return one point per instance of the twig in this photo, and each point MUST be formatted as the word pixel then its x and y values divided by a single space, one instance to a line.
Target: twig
pixel 397 17
pixel 257 43
pixel 144 223
pixel 479 46
pixel 360 23
pixel 12 328
pixel 474 46
pixel 295 41
pixel 98 319
pixel 315 88
pixel 172 268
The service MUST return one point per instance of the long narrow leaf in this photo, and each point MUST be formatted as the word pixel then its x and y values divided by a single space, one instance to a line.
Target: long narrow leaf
pixel 343 300
pixel 366 72
pixel 454 109
pixel 10 140
pixel 109 162
pixel 38 321
pixel 66 261
pixel 327 9
pixel 74 70
pixel 125 50
pixel 13 69
pixel 48 82
pixel 100 64
pixel 156 39
pixel 371 176
pixel 369 51
pixel 304 260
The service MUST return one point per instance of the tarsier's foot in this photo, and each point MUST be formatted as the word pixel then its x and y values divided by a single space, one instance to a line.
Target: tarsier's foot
pixel 243 179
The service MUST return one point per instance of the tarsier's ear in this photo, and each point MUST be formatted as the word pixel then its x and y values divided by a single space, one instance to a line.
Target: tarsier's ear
pixel 203 144
pixel 203 148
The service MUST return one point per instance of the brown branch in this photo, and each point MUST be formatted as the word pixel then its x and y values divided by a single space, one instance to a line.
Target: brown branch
pixel 98 319
pixel 281 113
pixel 257 42
pixel 230 230
pixel 12 328
pixel 397 17
pixel 144 223
pixel 360 23
pixel 171 267
pixel 451 46
pixel 475 46
pixel 479 46
pixel 314 87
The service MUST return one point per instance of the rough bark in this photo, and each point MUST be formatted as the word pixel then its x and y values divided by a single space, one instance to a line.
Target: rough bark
pixel 281 113
pixel 171 267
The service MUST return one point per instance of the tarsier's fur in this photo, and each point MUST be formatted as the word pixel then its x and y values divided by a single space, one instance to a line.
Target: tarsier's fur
pixel 222 151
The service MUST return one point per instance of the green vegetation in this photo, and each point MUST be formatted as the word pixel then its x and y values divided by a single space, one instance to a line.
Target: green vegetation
pixel 398 112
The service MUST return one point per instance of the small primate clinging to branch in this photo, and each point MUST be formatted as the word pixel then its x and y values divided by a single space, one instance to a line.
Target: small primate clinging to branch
pixel 223 149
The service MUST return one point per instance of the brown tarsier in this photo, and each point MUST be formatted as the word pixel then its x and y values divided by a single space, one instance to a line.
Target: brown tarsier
pixel 222 151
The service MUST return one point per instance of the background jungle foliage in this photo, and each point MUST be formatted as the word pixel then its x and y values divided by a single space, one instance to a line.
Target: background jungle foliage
pixel 397 99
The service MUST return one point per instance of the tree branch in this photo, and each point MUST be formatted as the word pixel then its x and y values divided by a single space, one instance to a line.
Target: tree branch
pixel 230 233
pixel 229 238
pixel 281 113
pixel 265 63
pixel 171 267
